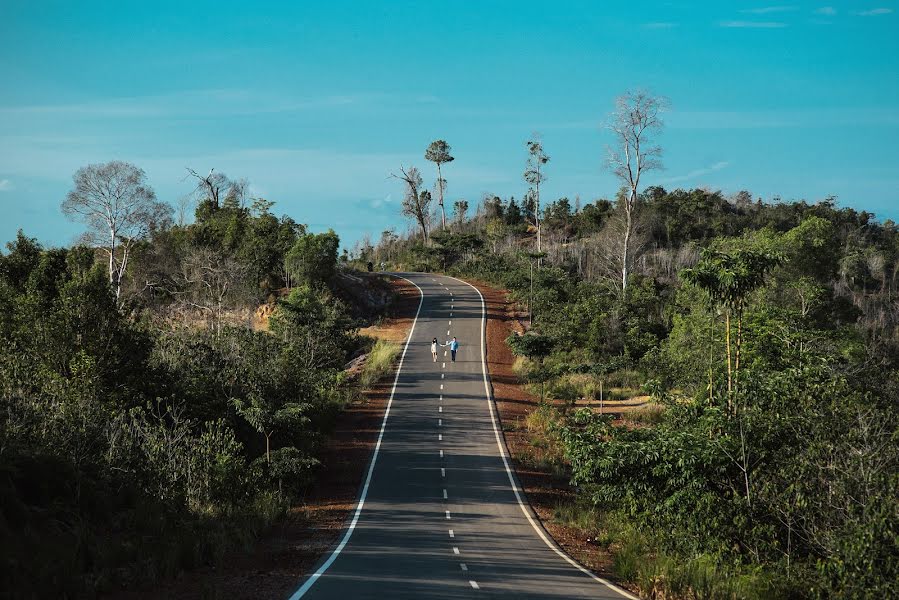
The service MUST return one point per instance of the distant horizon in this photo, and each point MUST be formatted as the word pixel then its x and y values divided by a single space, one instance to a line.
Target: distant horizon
pixel 317 105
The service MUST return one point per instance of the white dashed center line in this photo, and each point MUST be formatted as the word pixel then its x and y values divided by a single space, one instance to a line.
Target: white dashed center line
pixel 455 550
pixel 447 515
pixel 439 422
pixel 475 585
pixel 447 332
pixel 439 437
pixel 464 566
pixel 440 409
pixel 441 454
pixel 444 365
pixel 450 323
pixel 441 386
pixel 444 495
pixel 452 535
pixel 442 375
pixel 442 472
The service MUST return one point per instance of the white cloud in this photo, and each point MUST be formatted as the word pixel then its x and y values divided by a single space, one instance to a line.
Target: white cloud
pixel 764 10
pixel 874 12
pixel 827 11
pixel 5 185
pixel 207 103
pixel 696 173
pixel 753 24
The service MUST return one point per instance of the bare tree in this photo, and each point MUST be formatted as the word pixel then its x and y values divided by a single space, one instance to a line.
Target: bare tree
pixel 439 153
pixel 119 208
pixel 534 175
pixel 633 124
pixel 211 283
pixel 219 189
pixel 416 202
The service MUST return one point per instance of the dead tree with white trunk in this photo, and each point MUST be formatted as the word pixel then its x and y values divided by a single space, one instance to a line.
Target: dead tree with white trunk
pixel 119 208
pixel 636 120
pixel 416 202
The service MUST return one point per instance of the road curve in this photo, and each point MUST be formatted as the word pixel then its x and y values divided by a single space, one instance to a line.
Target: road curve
pixel 440 515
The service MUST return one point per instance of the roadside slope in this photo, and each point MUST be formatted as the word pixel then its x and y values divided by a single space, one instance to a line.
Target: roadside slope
pixel 545 491
pixel 271 566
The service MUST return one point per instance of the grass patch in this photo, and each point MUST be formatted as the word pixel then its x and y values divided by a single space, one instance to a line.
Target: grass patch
pixel 547 452
pixel 650 414
pixel 378 363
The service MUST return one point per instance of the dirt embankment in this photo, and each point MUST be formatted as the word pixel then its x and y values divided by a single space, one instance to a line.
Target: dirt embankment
pixel 278 560
pixel 545 490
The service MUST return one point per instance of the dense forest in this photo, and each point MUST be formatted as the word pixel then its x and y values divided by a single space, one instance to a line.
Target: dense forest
pixel 765 335
pixel 151 418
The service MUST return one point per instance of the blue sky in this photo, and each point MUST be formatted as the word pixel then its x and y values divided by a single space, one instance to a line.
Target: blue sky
pixel 315 103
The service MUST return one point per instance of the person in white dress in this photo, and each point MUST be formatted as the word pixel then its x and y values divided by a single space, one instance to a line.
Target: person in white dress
pixel 434 349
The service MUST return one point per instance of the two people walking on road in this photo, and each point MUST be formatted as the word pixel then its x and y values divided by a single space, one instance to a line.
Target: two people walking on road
pixel 453 346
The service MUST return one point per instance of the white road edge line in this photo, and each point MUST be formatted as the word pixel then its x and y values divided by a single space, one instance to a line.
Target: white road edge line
pixel 371 465
pixel 502 452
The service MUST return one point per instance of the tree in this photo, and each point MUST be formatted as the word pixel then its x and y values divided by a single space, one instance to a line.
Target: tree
pixel 416 203
pixel 513 213
pixel 218 189
pixel 635 120
pixel 729 278
pixel 460 207
pixel 119 208
pixel 211 282
pixel 313 258
pixel 533 175
pixel 439 153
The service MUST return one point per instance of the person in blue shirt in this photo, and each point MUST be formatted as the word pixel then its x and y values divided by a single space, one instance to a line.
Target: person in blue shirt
pixel 453 346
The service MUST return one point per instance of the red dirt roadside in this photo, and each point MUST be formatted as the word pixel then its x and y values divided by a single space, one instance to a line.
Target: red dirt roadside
pixel 544 490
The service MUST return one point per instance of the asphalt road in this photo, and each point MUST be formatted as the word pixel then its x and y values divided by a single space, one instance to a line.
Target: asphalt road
pixel 440 515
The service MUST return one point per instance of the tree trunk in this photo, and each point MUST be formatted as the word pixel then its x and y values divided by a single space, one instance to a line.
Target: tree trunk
pixel 625 254
pixel 739 343
pixel 440 188
pixel 729 370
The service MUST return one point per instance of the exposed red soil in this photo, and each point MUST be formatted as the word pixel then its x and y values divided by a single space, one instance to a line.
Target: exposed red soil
pixel 278 560
pixel 545 491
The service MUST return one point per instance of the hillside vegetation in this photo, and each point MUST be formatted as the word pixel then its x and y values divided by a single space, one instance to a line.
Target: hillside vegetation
pixel 145 427
pixel 767 335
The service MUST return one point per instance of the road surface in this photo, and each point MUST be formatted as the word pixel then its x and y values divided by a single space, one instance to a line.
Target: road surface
pixel 439 514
